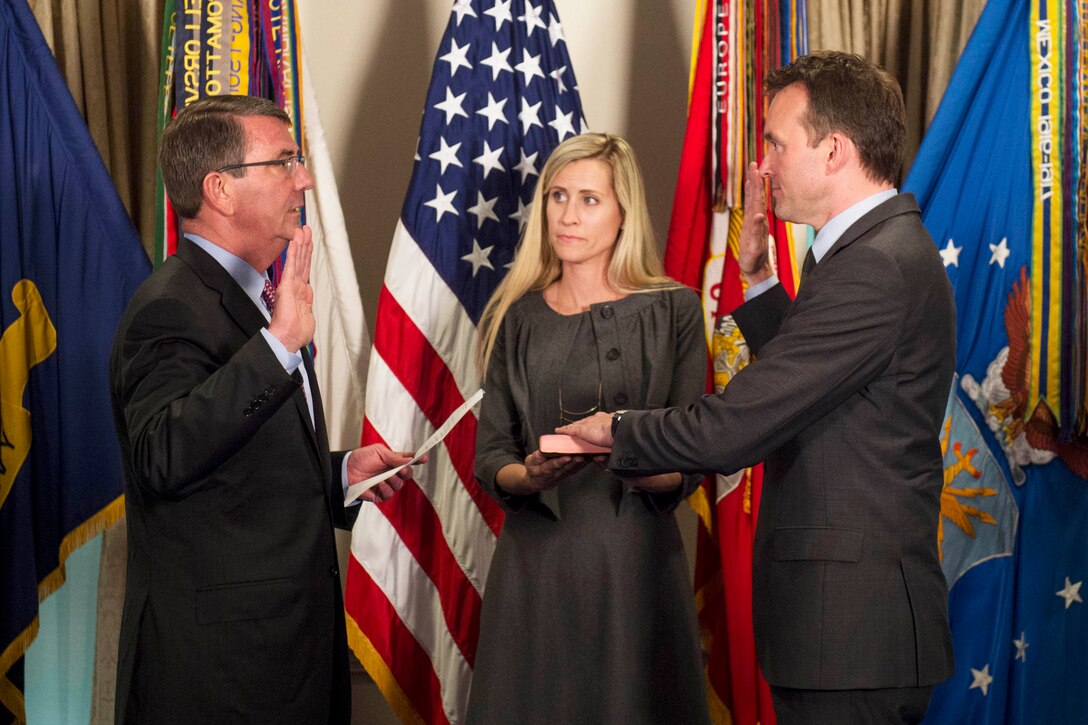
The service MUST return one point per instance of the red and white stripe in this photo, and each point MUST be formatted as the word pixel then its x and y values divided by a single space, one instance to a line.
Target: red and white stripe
pixel 419 562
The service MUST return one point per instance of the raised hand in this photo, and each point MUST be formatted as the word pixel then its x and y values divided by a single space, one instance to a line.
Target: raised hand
pixel 293 318
pixel 754 259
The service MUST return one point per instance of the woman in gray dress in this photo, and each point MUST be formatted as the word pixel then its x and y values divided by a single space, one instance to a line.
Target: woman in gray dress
pixel 588 615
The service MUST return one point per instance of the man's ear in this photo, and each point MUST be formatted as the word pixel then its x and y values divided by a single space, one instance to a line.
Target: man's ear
pixel 218 196
pixel 840 152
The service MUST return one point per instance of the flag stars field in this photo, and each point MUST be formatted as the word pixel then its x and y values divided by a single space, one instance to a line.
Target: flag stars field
pixel 498 62
pixel 500 11
pixel 527 166
pixel 521 215
pixel 489 159
pixel 555 32
pixel 529 67
pixel 557 76
pixel 530 115
pixel 452 106
pixel 442 202
pixel 981 680
pixel 457 57
pixel 532 20
pixel 1071 593
pixel 1021 646
pixel 999 253
pixel 478 257
pixel 493 112
pixel 562 123
pixel 446 155
pixel 483 210
pixel 951 254
pixel 461 8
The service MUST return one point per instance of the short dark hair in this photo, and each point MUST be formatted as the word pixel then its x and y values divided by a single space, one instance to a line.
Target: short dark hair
pixel 849 94
pixel 206 135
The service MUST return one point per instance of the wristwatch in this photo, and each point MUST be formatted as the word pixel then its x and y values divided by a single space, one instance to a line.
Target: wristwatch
pixel 616 421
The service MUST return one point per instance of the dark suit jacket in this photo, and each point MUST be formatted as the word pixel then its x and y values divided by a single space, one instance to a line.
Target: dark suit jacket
pixel 844 403
pixel 233 610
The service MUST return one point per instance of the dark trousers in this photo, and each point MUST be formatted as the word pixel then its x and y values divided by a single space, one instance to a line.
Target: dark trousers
pixel 891 706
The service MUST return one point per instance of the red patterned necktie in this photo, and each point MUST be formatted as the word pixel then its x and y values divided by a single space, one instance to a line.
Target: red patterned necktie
pixel 268 296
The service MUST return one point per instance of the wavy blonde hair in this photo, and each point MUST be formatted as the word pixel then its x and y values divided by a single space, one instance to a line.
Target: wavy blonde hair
pixel 635 265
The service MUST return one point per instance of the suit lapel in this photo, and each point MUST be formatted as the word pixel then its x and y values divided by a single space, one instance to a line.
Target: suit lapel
pixel 245 314
pixel 234 299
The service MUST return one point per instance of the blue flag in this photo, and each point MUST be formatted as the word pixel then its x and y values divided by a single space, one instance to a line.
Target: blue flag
pixel 1014 510
pixel 69 260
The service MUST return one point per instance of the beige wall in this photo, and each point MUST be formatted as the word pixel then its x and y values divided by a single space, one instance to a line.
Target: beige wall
pixel 371 61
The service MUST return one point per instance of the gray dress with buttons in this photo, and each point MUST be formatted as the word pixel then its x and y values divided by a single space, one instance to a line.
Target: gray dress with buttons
pixel 588 615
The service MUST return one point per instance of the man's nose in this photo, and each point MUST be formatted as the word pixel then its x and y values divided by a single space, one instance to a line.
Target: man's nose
pixel 765 165
pixel 304 180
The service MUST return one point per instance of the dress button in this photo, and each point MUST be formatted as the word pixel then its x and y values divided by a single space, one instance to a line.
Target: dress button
pixel 620 399
pixel 612 354
pixel 607 312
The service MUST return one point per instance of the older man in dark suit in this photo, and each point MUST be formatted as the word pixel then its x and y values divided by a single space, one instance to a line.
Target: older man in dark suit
pixel 844 403
pixel 233 609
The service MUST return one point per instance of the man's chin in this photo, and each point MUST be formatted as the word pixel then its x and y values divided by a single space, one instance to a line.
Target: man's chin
pixel 782 211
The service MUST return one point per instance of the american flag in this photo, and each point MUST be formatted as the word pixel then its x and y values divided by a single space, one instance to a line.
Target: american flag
pixel 502 96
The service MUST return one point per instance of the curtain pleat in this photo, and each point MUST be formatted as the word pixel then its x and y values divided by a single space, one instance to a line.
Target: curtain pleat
pixel 917 41
pixel 108 51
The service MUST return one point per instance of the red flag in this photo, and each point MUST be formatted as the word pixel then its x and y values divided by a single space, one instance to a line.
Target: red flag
pixel 724 132
pixel 689 226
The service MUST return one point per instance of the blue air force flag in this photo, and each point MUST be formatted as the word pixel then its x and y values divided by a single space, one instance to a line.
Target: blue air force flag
pixel 1014 512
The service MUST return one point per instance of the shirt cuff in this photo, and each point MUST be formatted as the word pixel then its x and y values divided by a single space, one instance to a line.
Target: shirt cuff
pixel 289 360
pixel 344 478
pixel 760 287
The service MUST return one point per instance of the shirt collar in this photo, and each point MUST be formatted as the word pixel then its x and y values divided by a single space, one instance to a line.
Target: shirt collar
pixel 250 280
pixel 842 221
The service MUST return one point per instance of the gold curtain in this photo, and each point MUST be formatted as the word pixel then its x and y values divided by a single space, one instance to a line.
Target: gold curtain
pixel 917 41
pixel 109 53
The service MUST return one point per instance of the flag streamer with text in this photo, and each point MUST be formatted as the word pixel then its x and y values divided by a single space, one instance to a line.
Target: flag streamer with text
pixel 736 43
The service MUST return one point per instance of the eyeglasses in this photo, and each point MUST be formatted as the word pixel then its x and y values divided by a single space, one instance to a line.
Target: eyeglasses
pixel 566 417
pixel 290 164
